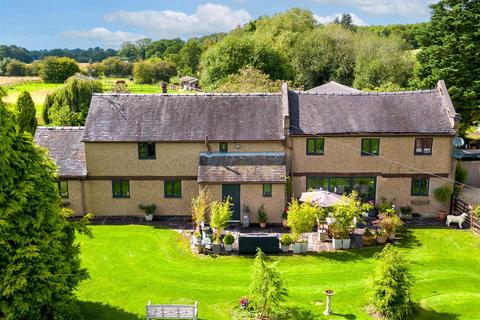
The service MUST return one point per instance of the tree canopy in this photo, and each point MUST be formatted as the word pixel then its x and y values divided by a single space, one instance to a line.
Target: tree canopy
pixel 153 70
pixel 450 51
pixel 57 70
pixel 39 261
pixel 247 80
pixel 235 52
pixel 68 106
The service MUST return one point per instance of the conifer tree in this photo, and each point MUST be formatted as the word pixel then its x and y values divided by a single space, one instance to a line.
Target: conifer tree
pixel 26 118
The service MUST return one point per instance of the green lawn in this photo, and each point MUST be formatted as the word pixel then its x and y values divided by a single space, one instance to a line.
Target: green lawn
pixel 130 265
pixel 39 90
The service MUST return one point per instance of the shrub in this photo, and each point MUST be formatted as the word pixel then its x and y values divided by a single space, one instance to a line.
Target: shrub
pixel 57 70
pixel 476 211
pixel 368 233
pixel 149 208
pixel 301 217
pixel 390 224
pixel 221 213
pixel 228 239
pixel 442 194
pixel 15 68
pixel 26 113
pixel 286 240
pixel 200 205
pixel 391 285
pixel 267 289
pixel 262 215
pixel 460 173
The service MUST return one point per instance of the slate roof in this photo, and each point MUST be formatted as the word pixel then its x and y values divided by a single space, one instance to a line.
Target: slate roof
pixel 332 87
pixel 65 147
pixel 223 117
pixel 414 112
pixel 242 174
pixel 261 167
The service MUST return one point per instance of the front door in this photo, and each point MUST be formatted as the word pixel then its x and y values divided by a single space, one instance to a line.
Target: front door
pixel 233 190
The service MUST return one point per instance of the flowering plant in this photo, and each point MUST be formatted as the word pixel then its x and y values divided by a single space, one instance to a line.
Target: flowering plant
pixel 244 303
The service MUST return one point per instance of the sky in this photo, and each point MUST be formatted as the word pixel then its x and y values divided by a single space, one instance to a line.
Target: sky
pixel 47 24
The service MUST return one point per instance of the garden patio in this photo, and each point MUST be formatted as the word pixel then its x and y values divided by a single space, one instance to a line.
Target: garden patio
pixel 131 264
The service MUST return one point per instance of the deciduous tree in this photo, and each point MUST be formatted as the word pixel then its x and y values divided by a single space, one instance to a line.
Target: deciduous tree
pixel 68 106
pixel 57 70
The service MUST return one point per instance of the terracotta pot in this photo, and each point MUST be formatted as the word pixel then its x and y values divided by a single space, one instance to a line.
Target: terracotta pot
pixel 382 239
pixel 368 241
pixel 263 224
pixel 442 216
pixel 285 223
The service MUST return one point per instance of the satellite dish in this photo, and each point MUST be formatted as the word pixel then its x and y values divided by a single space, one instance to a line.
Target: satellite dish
pixel 458 142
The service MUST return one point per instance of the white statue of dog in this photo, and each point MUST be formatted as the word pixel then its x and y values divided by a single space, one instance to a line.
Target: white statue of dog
pixel 456 219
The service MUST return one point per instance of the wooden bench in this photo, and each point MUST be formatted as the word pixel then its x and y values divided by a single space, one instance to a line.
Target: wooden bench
pixel 171 311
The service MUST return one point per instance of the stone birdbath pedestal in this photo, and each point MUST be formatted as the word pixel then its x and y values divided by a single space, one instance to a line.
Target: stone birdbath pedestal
pixel 328 310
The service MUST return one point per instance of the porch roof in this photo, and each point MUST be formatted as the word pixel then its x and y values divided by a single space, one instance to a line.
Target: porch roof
pixel 242 174
pixel 242 167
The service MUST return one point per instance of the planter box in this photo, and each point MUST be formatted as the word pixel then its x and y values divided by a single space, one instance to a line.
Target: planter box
pixel 297 248
pixel 248 243
pixel 285 248
pixel 346 243
pixel 228 247
pixel 149 217
pixel 216 248
pixel 337 244
pixel 304 247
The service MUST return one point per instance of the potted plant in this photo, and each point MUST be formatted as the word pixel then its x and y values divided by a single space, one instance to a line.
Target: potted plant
pixel 368 238
pixel 406 213
pixel 221 213
pixel 301 219
pixel 389 225
pixel 149 210
pixel 197 237
pixel 381 236
pixel 228 241
pixel 200 206
pixel 285 241
pixel 285 218
pixel 442 194
pixel 337 241
pixel 345 213
pixel 246 216
pixel 262 217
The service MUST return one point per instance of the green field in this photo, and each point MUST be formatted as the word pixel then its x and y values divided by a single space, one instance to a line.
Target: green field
pixel 130 265
pixel 39 89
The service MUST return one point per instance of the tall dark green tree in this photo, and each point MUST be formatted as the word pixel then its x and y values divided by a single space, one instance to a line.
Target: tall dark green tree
pixel 39 262
pixel 26 113
pixel 450 51
pixel 68 106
